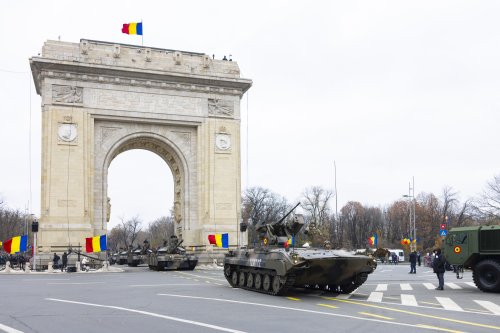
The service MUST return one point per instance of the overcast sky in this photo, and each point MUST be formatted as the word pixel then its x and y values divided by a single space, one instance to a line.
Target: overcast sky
pixel 387 89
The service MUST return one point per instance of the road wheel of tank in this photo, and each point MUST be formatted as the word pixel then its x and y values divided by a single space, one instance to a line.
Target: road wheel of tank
pixel 250 280
pixel 486 275
pixel 227 271
pixel 258 281
pixel 234 278
pixel 276 284
pixel 242 279
pixel 266 282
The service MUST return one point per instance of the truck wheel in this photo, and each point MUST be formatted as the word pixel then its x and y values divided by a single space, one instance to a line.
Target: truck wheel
pixel 486 275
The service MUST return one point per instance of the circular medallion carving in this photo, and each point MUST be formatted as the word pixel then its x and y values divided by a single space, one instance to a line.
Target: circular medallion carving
pixel 223 141
pixel 67 132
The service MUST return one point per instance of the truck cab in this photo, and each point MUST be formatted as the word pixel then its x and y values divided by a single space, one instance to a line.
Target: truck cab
pixel 478 249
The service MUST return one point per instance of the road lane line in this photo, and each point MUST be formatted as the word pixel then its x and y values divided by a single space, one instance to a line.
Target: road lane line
pixel 375 297
pixel 204 277
pixel 408 300
pixel 490 306
pixel 376 316
pixel 165 285
pixel 453 285
pixel 292 309
pixel 152 314
pixel 472 284
pixel 46 279
pixel 8 329
pixel 328 306
pixel 381 287
pixel 76 283
pixel 448 304
pixel 429 286
pixel 293 299
pixel 417 314
pixel 344 296
pixel 405 286
pixel 438 328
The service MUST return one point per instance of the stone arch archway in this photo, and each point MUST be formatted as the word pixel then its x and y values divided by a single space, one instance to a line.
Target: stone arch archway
pixel 168 151
pixel 100 99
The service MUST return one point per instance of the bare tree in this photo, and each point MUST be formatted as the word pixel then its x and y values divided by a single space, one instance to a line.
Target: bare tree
pixel 449 201
pixel 261 206
pixel 131 229
pixel 489 202
pixel 160 230
pixel 315 201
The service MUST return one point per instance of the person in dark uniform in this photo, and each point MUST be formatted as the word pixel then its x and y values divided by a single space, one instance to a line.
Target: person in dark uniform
pixel 64 261
pixel 413 263
pixel 438 266
pixel 55 260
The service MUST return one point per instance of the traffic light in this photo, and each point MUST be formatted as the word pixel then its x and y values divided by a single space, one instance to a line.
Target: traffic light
pixel 34 226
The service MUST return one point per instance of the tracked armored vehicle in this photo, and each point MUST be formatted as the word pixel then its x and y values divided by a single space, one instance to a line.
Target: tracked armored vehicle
pixel 138 255
pixel 172 256
pixel 273 266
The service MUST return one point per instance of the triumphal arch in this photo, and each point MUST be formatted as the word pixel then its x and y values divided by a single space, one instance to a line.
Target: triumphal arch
pixel 100 99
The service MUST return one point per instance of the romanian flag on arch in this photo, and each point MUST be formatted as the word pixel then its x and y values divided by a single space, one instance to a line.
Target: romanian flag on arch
pixel 221 240
pixel 132 28
pixel 16 244
pixel 95 244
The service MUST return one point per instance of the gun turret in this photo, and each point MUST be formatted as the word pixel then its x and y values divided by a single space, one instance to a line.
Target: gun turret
pixel 277 232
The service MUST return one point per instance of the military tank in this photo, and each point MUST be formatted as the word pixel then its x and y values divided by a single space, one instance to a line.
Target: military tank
pixel 122 257
pixel 172 256
pixel 273 266
pixel 138 255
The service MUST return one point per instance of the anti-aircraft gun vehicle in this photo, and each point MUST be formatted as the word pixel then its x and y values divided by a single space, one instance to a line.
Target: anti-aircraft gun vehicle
pixel 272 267
pixel 172 256
pixel 478 249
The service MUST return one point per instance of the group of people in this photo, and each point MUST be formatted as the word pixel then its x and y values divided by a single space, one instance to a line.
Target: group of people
pixel 55 262
pixel 438 265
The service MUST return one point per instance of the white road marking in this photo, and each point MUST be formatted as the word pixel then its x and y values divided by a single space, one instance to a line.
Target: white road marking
pixel 165 284
pixel 381 287
pixel 408 300
pixel 8 329
pixel 429 286
pixel 375 297
pixel 343 296
pixel 448 304
pixel 452 285
pixel 77 283
pixel 46 279
pixel 152 314
pixel 472 284
pixel 291 309
pixel 490 306
pixel 185 275
pixel 406 286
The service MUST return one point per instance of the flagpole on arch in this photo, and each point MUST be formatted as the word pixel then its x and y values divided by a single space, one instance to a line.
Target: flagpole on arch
pixel 142 35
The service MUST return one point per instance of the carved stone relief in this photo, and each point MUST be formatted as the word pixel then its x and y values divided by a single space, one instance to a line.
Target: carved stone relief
pixel 220 107
pixel 67 94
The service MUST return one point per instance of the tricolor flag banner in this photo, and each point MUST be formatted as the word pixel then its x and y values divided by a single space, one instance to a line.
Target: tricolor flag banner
pixel 95 244
pixel 291 242
pixel 221 240
pixel 132 28
pixel 16 244
pixel 373 240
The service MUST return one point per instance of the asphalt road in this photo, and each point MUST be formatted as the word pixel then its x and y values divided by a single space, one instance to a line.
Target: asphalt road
pixel 140 301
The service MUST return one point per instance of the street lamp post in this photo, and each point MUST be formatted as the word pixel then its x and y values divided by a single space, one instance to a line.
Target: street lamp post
pixel 413 229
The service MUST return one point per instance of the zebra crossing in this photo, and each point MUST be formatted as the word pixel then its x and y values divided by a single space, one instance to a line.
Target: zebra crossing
pixel 424 298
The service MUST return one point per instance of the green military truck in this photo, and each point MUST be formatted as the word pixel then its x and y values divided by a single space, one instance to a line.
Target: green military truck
pixel 478 249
